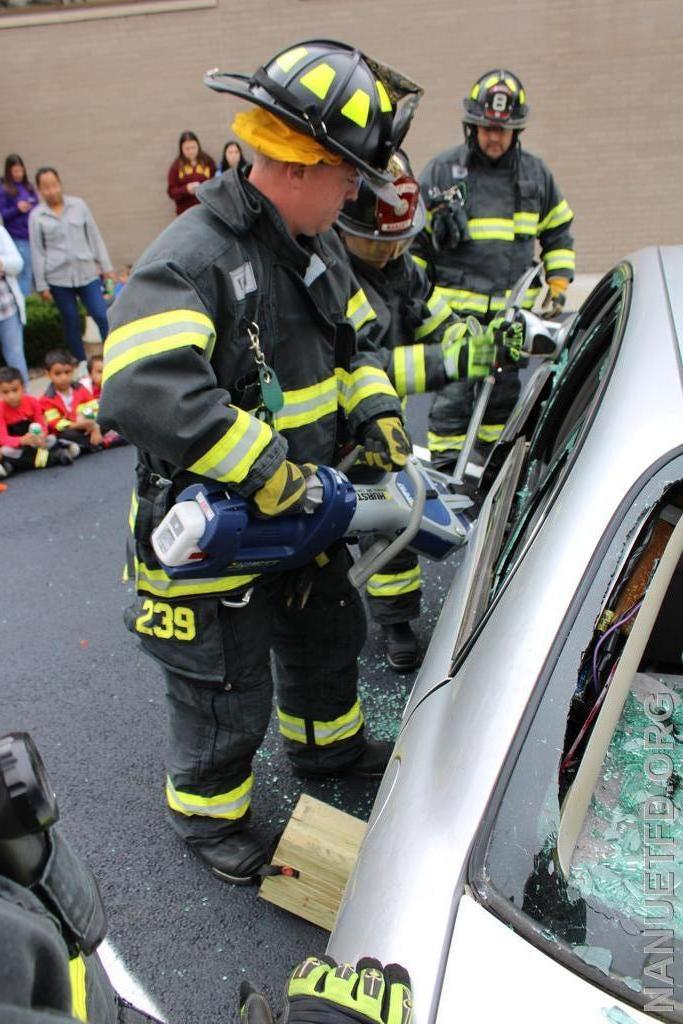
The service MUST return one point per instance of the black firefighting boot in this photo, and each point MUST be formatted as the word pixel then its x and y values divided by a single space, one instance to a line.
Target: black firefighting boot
pixel 401 647
pixel 234 858
pixel 370 764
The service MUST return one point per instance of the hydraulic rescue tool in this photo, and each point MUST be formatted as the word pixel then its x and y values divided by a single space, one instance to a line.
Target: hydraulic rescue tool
pixel 210 532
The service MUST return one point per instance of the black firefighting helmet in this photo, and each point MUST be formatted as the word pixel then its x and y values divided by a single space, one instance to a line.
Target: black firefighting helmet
pixel 347 101
pixel 497 99
pixel 371 217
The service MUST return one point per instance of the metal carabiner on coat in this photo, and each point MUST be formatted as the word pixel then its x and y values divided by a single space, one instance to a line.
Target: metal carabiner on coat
pixel 271 392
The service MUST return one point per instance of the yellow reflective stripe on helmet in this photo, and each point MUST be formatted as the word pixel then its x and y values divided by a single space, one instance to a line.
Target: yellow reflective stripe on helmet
pixel 384 99
pixel 489 432
pixel 363 382
pixel 522 96
pixel 491 80
pixel 559 214
pixel 154 335
pixel 526 223
pixel 233 804
pixel 79 998
pixel 511 84
pixel 324 733
pixel 319 79
pixel 358 310
pixel 306 405
pixel 491 228
pixel 439 310
pixel 357 108
pixel 445 442
pixel 286 61
pixel 475 91
pixel 395 583
pixel 231 458
pixel 157 583
pixel 418 259
pixel 559 259
pixel 408 368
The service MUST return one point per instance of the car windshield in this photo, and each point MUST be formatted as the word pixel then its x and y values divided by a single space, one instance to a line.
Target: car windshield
pixel 585 854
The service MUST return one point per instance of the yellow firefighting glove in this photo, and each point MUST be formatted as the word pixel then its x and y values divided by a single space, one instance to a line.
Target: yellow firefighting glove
pixel 555 298
pixel 320 990
pixel 469 352
pixel 285 490
pixel 387 446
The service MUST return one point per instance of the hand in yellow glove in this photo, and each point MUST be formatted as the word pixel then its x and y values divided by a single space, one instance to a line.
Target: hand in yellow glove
pixel 285 490
pixel 320 990
pixel 387 446
pixel 555 298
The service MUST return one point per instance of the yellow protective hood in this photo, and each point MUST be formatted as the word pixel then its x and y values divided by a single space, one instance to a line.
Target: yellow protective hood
pixel 271 136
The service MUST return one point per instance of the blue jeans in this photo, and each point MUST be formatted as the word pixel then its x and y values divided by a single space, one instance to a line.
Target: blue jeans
pixel 93 300
pixel 25 278
pixel 12 344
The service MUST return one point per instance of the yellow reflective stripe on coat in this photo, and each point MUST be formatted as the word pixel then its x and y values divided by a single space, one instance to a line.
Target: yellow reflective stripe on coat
pixel 498 302
pixel 459 299
pixel 42 455
pixel 231 458
pixel 231 805
pixel 359 385
pixel 491 228
pixel 156 582
pixel 305 405
pixel 79 999
pixel 394 583
pixel 490 432
pixel 154 335
pixel 324 733
pixel 419 260
pixel 439 310
pixel 408 369
pixel 559 214
pixel 359 311
pixel 526 222
pixel 559 259
pixel 445 442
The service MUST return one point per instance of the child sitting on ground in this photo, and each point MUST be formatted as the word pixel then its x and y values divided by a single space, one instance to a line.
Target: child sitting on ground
pixel 69 408
pixel 24 438
pixel 93 380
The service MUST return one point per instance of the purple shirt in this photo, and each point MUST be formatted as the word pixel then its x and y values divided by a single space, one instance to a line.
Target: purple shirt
pixel 14 220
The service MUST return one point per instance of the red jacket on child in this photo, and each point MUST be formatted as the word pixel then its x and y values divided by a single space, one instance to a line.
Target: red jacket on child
pixel 180 174
pixel 17 421
pixel 58 416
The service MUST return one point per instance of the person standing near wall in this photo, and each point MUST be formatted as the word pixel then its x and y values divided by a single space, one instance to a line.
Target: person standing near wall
pixel 68 255
pixel 12 306
pixel 17 199
pixel 190 169
pixel 232 157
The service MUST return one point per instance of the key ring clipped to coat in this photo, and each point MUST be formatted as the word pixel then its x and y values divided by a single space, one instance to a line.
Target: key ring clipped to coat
pixel 271 392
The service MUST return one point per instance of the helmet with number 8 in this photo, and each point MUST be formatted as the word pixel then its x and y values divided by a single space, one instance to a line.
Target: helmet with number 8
pixel 497 100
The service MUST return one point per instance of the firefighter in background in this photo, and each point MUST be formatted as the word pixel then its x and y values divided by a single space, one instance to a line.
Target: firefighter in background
pixel 422 344
pixel 488 200
pixel 230 358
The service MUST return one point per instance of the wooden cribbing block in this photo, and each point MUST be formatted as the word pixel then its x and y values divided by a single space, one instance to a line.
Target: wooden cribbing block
pixel 322 844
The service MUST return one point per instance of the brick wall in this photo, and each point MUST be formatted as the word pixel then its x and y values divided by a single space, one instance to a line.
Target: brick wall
pixel 105 100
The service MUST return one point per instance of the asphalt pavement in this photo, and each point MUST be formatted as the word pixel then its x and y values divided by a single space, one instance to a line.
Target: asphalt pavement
pixel 77 680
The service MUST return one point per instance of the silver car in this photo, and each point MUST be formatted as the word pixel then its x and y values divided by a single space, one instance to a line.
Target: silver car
pixel 524 857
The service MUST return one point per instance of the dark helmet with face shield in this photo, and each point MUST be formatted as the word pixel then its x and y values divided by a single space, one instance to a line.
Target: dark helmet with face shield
pixel 374 226
pixel 348 102
pixel 497 100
